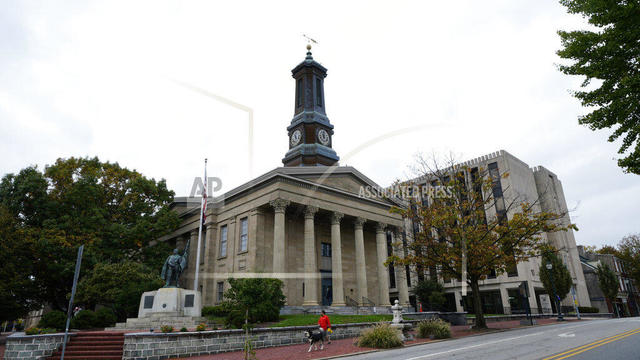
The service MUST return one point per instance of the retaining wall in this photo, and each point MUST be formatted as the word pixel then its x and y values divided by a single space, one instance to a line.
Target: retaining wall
pixel 32 347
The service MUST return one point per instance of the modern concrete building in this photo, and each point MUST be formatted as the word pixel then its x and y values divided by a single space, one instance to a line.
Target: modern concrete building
pixel 626 303
pixel 304 223
pixel 538 186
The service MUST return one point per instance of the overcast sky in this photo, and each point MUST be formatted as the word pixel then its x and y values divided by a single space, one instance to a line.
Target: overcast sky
pixel 468 77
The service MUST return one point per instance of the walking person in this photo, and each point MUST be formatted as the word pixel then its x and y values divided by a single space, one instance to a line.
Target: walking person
pixel 325 325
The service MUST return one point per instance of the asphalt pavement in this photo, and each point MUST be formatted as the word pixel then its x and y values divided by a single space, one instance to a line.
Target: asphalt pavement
pixel 609 339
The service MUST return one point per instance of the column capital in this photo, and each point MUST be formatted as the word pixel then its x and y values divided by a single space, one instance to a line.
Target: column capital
pixel 279 205
pixel 211 226
pixel 359 222
pixel 310 211
pixel 336 217
pixel 380 227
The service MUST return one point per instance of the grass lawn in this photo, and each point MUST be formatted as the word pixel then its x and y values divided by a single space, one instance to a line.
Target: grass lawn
pixel 311 319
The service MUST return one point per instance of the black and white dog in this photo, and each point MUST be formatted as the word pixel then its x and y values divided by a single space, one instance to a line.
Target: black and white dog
pixel 314 337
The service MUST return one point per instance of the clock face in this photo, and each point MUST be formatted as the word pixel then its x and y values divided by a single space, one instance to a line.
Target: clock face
pixel 295 137
pixel 323 136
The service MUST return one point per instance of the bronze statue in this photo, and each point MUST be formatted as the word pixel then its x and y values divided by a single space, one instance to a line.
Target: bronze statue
pixel 174 266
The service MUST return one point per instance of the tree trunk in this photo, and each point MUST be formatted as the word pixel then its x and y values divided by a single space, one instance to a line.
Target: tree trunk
pixel 477 306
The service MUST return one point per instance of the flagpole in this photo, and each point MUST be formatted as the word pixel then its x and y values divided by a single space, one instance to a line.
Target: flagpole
pixel 203 206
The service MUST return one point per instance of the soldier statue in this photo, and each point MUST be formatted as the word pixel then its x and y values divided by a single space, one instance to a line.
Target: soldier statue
pixel 174 266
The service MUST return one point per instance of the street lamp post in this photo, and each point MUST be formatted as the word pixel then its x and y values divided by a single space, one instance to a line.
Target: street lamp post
pixel 555 296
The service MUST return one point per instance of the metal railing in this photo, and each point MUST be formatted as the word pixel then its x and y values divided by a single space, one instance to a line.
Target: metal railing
pixel 367 302
pixel 350 302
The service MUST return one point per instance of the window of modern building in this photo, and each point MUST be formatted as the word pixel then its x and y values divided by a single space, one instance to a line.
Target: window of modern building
pixel 223 241
pixel 220 291
pixel 326 249
pixel 244 233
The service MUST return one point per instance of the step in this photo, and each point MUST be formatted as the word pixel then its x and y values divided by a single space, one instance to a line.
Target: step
pixel 89 352
pixel 86 357
pixel 75 347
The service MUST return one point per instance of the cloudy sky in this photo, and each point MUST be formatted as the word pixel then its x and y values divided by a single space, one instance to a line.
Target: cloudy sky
pixel 108 79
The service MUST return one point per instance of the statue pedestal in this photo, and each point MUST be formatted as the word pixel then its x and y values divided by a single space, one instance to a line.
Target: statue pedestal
pixel 167 306
pixel 171 302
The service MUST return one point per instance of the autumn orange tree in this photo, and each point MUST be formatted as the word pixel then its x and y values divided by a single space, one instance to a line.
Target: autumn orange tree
pixel 466 225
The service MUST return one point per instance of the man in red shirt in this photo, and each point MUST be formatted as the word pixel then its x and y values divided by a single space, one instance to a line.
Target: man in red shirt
pixel 325 324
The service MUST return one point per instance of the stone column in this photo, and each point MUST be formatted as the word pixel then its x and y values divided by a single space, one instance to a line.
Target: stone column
pixel 336 261
pixel 504 298
pixel 361 267
pixel 191 262
pixel 383 273
pixel 310 258
pixel 279 206
pixel 209 265
pixel 401 274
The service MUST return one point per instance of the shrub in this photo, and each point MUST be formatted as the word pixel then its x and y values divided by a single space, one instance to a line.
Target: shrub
pixel 55 319
pixel 380 336
pixel 183 329
pixel 37 331
pixel 201 327
pixel 588 309
pixel 167 328
pixel 439 328
pixel 105 317
pixel 32 331
pixel 263 298
pixel 85 319
pixel 217 311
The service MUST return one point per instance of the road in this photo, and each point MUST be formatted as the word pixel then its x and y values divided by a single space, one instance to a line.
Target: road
pixel 609 339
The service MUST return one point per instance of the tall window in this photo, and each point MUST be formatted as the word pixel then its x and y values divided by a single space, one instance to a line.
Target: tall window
pixel 220 290
pixel 496 188
pixel 326 249
pixel 203 246
pixel 223 241
pixel 299 92
pixel 318 92
pixel 392 272
pixel 244 233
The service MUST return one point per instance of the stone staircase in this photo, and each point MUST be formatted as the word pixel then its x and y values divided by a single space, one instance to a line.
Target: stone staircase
pixel 93 345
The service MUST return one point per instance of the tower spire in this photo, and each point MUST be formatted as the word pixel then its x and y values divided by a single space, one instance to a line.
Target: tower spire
pixel 310 132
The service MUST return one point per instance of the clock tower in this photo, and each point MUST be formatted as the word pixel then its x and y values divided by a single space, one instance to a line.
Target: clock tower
pixel 310 132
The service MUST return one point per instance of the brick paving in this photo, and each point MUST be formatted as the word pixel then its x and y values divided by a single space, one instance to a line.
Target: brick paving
pixel 346 346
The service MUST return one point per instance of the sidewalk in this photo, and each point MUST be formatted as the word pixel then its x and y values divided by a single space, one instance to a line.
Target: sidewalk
pixel 346 346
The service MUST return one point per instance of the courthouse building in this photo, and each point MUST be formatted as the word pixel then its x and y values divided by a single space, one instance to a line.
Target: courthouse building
pixel 303 223
pixel 308 224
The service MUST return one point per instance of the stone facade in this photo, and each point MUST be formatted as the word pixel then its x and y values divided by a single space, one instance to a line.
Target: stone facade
pixel 156 346
pixel 305 225
pixel 32 347
pixel 542 188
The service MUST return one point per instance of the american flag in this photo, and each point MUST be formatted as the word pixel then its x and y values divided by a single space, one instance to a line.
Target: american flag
pixel 204 194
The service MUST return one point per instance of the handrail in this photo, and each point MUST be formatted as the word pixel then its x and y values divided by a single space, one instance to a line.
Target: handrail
pixel 350 302
pixel 367 301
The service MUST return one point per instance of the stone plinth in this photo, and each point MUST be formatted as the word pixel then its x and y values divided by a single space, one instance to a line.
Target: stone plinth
pixel 170 301
pixel 167 306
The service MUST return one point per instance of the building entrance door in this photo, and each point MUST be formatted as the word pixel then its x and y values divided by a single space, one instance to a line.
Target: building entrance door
pixel 327 288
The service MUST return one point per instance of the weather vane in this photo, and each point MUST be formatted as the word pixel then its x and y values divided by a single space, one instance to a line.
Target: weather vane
pixel 309 41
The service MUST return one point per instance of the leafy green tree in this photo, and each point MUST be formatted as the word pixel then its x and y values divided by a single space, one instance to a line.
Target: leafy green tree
pixel 262 298
pixel 608 282
pixel 113 211
pixel 17 288
pixel 608 249
pixel 430 293
pixel 458 235
pixel 118 286
pixel 629 253
pixel 562 281
pixel 608 54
